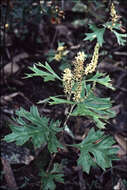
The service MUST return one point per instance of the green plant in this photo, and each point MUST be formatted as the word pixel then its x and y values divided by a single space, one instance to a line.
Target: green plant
pixel 80 99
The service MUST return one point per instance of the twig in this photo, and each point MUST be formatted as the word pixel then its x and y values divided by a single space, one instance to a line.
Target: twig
pixel 108 170
pixel 51 162
pixel 120 53
pixel 9 176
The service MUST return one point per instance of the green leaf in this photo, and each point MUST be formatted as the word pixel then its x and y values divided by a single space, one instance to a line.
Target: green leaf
pixel 55 100
pixel 98 109
pixel 49 179
pixel 43 101
pixel 53 143
pixel 57 168
pixel 96 149
pixel 47 76
pixel 31 126
pixel 99 78
pixel 120 37
pixel 116 29
pixel 97 33
pixel 46 100
pixel 50 55
pixel 61 44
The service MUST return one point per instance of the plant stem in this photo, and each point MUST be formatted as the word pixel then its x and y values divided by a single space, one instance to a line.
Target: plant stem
pixel 68 115
pixel 51 162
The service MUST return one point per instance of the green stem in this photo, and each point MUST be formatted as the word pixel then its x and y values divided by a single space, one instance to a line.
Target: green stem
pixel 68 115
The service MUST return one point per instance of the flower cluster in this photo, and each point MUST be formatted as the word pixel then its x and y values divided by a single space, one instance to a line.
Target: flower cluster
pixel 78 74
pixel 113 15
pixel 61 48
pixel 70 79
pixel 77 93
pixel 67 81
pixel 60 53
pixel 79 66
pixel 58 56
pixel 92 66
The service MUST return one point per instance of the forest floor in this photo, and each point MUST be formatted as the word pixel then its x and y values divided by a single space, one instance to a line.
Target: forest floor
pixel 18 92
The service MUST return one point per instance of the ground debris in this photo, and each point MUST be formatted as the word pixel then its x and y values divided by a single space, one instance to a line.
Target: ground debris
pixel 15 154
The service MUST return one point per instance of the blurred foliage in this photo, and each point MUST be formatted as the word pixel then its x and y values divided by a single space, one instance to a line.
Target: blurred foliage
pixel 22 18
pixel 17 15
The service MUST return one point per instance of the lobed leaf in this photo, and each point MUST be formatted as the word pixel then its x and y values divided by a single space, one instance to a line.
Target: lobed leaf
pixel 99 78
pixel 97 33
pixel 98 109
pixel 116 29
pixel 30 126
pixel 49 178
pixel 55 100
pixel 96 149
pixel 47 76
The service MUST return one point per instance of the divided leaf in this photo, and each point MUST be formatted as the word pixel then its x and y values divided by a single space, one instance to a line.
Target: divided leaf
pixel 55 100
pixel 96 108
pixel 47 76
pixel 101 79
pixel 53 142
pixel 116 29
pixel 121 38
pixel 96 149
pixel 48 179
pixel 31 126
pixel 97 33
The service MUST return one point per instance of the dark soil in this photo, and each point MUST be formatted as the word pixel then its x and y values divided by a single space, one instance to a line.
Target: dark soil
pixel 30 91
